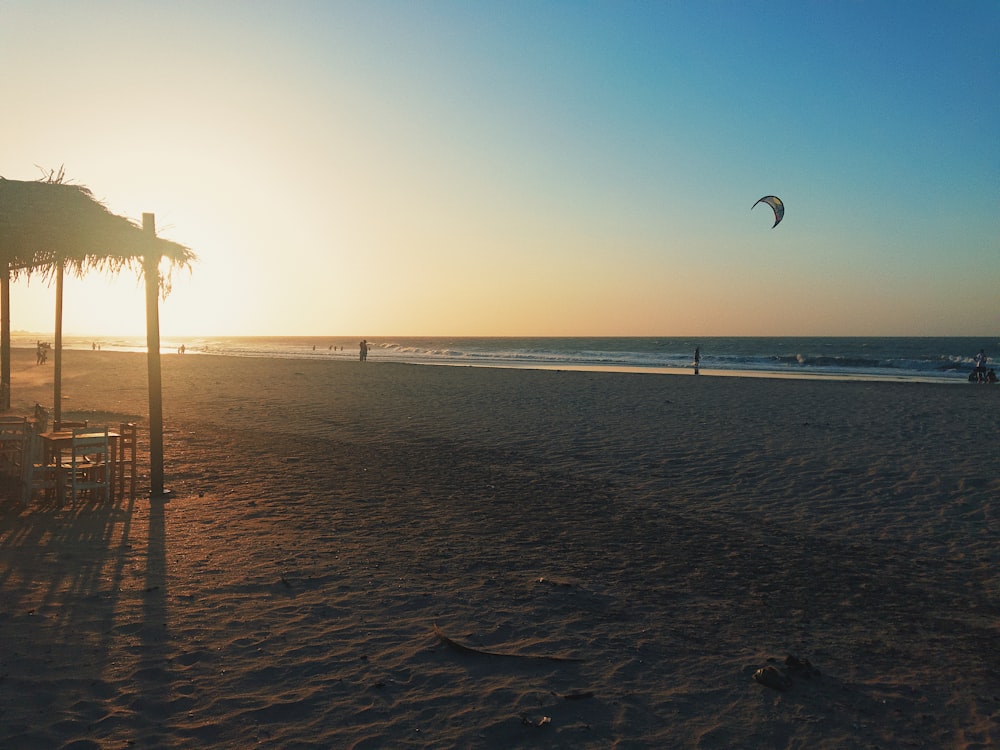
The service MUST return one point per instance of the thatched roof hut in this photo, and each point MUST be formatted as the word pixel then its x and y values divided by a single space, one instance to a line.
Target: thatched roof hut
pixel 45 222
pixel 48 227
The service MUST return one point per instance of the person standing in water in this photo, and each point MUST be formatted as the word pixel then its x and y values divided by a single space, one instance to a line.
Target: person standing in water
pixel 980 366
pixel 697 359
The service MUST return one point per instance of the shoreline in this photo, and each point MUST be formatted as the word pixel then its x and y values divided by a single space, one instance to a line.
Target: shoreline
pixel 708 372
pixel 819 375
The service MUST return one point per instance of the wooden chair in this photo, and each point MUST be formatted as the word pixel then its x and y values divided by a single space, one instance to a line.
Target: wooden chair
pixel 88 462
pixel 36 475
pixel 127 449
pixel 13 432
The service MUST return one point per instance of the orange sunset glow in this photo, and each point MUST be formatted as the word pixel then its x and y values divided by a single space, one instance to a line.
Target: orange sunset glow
pixel 432 169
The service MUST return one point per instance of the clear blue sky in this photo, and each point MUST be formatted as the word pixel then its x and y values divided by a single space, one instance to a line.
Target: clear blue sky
pixel 525 168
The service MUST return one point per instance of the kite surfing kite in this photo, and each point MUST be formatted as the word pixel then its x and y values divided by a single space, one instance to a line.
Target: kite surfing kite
pixel 775 203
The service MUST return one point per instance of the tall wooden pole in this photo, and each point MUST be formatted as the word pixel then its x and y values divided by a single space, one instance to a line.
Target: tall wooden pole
pixel 151 270
pixel 57 395
pixel 5 338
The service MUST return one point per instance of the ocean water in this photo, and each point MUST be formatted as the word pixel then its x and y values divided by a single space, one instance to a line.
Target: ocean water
pixel 941 359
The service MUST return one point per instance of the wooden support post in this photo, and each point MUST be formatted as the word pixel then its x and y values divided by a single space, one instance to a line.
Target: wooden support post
pixel 57 375
pixel 151 270
pixel 5 338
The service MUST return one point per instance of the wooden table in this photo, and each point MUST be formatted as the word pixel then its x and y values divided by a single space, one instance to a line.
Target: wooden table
pixel 55 442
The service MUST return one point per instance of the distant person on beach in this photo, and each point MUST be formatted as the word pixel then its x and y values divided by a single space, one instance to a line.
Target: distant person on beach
pixel 697 359
pixel 363 350
pixel 991 376
pixel 980 368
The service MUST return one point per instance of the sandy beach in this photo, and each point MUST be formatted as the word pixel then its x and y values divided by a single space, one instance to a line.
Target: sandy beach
pixel 389 555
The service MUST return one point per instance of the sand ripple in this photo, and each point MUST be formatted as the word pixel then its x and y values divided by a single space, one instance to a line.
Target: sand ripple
pixel 673 534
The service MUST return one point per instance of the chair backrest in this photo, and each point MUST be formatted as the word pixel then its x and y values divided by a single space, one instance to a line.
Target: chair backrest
pixel 83 432
pixel 88 467
pixel 14 433
pixel 13 425
pixel 125 476
pixel 127 431
pixel 89 440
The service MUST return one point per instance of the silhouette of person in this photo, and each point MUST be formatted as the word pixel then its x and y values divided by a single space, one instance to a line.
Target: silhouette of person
pixel 980 368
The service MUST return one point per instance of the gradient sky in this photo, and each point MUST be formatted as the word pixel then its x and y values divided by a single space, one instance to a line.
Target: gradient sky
pixel 523 168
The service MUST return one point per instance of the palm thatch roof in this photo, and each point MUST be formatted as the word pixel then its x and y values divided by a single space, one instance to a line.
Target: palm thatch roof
pixel 50 227
pixel 46 222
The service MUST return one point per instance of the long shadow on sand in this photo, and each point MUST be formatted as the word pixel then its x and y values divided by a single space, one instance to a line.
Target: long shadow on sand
pixel 82 602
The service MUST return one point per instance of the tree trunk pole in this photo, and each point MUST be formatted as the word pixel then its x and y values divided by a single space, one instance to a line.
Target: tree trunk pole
pixel 57 376
pixel 5 338
pixel 151 270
